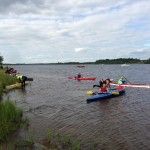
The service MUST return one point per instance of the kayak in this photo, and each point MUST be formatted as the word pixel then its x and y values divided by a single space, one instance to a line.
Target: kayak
pixel 81 66
pixel 82 78
pixel 102 96
pixel 131 85
pixel 14 86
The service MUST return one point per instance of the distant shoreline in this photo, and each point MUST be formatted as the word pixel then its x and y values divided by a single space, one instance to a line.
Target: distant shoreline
pixel 72 64
pixel 101 61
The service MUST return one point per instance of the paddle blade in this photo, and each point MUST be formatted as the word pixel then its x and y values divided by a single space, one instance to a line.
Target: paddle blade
pixel 90 92
pixel 115 93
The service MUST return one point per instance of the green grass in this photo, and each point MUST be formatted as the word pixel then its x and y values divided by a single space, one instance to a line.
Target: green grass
pixel 6 79
pixel 10 119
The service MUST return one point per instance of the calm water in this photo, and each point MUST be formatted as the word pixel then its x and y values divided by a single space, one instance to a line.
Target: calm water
pixel 53 101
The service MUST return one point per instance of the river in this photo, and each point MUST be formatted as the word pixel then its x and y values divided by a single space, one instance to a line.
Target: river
pixel 54 101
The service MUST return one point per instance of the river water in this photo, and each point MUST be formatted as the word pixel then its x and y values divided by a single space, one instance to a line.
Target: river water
pixel 54 101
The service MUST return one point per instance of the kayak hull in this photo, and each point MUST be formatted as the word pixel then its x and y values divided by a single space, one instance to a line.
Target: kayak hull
pixel 103 96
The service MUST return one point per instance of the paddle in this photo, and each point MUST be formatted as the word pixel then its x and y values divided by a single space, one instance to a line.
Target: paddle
pixel 126 79
pixel 136 85
pixel 90 92
pixel 96 85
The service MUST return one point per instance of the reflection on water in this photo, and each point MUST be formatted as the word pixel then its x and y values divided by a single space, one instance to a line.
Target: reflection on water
pixel 53 101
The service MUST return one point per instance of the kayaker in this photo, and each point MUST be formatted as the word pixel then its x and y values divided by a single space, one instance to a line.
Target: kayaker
pixel 22 79
pixel 79 75
pixel 101 83
pixel 108 82
pixel 104 88
pixel 121 80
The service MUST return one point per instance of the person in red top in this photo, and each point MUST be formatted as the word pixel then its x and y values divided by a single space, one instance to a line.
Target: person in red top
pixel 104 88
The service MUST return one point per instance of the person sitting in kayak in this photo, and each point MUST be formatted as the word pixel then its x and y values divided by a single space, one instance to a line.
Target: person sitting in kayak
pixel 108 81
pixel 101 83
pixel 104 88
pixel 79 75
pixel 121 80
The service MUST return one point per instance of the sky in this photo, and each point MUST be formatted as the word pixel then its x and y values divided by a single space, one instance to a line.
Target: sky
pixel 49 31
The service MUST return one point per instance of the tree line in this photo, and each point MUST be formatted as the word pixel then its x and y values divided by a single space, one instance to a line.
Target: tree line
pixel 123 61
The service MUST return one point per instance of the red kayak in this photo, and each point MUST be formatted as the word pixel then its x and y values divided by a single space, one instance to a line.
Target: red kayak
pixel 81 66
pixel 82 78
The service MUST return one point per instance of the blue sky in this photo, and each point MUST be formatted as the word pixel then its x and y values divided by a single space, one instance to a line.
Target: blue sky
pixel 33 31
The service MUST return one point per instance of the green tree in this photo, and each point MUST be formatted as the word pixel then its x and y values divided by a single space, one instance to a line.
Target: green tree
pixel 1 60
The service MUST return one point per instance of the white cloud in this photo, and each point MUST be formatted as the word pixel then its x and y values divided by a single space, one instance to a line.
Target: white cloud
pixel 53 29
pixel 79 49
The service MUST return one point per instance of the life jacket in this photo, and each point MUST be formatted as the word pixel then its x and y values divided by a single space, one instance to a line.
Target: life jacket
pixel 19 77
pixel 120 81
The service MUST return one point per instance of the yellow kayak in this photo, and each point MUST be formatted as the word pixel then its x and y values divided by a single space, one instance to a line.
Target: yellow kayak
pixel 14 86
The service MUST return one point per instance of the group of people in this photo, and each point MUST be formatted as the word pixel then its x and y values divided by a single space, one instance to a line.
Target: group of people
pixel 104 85
pixel 21 78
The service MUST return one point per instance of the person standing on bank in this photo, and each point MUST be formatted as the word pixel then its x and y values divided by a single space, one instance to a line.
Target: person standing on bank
pixel 22 79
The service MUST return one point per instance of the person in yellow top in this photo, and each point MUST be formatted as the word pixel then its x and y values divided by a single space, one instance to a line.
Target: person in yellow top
pixel 22 79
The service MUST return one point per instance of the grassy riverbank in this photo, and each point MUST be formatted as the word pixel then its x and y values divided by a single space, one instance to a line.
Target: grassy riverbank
pixel 10 114
pixel 5 79
pixel 10 119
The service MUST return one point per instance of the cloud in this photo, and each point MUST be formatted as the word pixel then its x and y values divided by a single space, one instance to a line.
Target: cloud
pixel 53 29
pixel 19 6
pixel 141 53
pixel 79 49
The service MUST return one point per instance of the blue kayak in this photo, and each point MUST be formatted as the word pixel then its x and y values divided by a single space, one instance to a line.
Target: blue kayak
pixel 102 96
